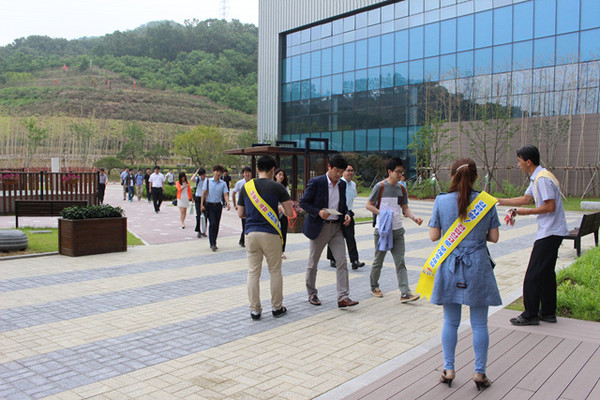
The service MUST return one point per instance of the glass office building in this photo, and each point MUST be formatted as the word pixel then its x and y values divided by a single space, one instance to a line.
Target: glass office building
pixel 367 79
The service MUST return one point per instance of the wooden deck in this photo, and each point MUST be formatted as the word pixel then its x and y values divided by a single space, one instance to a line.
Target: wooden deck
pixel 549 361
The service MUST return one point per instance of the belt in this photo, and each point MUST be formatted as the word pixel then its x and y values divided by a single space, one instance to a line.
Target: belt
pixel 331 221
pixel 212 203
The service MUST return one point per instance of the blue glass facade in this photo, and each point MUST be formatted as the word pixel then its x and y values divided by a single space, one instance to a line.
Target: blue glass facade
pixel 367 81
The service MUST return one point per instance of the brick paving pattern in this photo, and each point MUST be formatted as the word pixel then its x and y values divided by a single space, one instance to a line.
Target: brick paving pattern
pixel 171 320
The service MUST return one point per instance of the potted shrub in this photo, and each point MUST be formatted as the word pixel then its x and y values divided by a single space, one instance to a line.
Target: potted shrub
pixel 295 222
pixel 92 230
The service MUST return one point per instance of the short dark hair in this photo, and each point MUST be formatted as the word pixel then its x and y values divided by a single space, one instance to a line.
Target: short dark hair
pixel 156 167
pixel 265 163
pixel 201 171
pixel 218 168
pixel 393 163
pixel 529 152
pixel 338 161
pixel 246 169
pixel 102 169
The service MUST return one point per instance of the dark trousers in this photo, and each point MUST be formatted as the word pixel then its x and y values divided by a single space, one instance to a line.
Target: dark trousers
pixel 348 232
pixel 101 191
pixel 284 227
pixel 243 235
pixel 214 211
pixel 197 201
pixel 157 197
pixel 540 279
pixel 148 193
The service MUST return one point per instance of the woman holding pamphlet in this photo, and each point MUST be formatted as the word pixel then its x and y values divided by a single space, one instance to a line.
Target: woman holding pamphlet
pixel 464 220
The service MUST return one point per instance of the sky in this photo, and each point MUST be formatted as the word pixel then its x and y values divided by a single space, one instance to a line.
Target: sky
pixel 72 19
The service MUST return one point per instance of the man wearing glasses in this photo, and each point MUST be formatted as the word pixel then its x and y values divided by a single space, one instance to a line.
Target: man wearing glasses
pixel 348 231
pixel 389 200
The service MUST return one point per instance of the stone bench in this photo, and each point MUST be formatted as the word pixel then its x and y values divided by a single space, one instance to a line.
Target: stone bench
pixel 11 240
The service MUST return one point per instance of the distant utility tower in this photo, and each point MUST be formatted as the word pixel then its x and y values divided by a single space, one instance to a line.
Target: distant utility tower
pixel 224 9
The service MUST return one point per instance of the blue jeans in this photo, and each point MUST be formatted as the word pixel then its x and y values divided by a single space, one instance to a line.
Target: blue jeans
pixel 481 337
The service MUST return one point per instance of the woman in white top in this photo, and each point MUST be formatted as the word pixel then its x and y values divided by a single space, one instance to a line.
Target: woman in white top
pixel 184 195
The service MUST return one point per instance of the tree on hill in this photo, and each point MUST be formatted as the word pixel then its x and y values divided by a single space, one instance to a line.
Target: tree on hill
pixel 109 163
pixel 204 145
pixel 133 148
pixel 35 136
pixel 85 134
pixel 156 153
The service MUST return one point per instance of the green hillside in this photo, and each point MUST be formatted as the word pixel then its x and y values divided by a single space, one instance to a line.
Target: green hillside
pixel 81 95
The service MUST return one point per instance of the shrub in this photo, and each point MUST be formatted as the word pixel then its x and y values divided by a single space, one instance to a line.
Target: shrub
pixel 101 211
pixel 577 293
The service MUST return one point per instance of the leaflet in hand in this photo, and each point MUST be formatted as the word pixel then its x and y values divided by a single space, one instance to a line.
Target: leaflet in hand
pixel 332 211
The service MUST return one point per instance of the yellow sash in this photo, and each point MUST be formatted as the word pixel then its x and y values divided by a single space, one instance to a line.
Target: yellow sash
pixel 455 234
pixel 544 174
pixel 263 207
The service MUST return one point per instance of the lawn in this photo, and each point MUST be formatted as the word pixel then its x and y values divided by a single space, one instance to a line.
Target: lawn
pixel 48 242
pixel 578 289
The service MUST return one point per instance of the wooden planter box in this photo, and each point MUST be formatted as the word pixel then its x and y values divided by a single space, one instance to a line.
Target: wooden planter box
pixel 80 237
pixel 295 224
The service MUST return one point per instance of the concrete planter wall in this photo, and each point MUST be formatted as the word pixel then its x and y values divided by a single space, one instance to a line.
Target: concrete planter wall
pixel 80 237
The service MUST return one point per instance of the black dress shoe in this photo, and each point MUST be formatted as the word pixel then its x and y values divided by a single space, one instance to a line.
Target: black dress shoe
pixel 357 264
pixel 279 313
pixel 332 264
pixel 314 300
pixel 255 315
pixel 547 318
pixel 522 321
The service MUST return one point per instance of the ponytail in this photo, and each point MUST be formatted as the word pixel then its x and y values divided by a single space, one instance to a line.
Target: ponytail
pixel 464 173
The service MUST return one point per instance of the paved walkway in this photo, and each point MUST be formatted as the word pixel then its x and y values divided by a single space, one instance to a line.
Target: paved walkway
pixel 171 320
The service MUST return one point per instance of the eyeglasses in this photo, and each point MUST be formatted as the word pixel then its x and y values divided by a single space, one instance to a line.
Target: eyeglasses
pixel 349 170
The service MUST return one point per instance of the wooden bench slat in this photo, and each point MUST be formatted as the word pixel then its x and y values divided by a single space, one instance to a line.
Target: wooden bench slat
pixel 43 208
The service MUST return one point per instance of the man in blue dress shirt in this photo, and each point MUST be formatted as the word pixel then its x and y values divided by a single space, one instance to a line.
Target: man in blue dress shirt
pixel 214 189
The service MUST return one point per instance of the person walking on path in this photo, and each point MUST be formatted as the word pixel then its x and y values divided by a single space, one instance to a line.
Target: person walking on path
pixel 348 231
pixel 130 183
pixel 147 183
pixel 184 196
pixel 199 178
pixel 157 181
pixel 124 175
pixel 170 177
pixel 258 205
pixel 281 177
pixel 247 175
pixel 389 201
pixel 539 285
pixel 466 275
pixel 214 189
pixel 227 180
pixel 324 201
pixel 102 182
pixel 139 184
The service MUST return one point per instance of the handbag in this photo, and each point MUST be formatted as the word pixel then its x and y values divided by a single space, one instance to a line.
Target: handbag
pixel 192 208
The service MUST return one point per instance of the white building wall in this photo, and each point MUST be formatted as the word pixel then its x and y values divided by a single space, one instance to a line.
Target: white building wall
pixel 275 17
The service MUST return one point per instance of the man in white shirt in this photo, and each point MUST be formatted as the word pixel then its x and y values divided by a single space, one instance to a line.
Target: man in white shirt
pixel 124 176
pixel 170 178
pixel 199 178
pixel 348 231
pixel 247 175
pixel 539 285
pixel 157 181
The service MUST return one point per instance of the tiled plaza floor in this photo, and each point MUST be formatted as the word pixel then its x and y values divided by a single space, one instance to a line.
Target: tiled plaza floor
pixel 172 321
